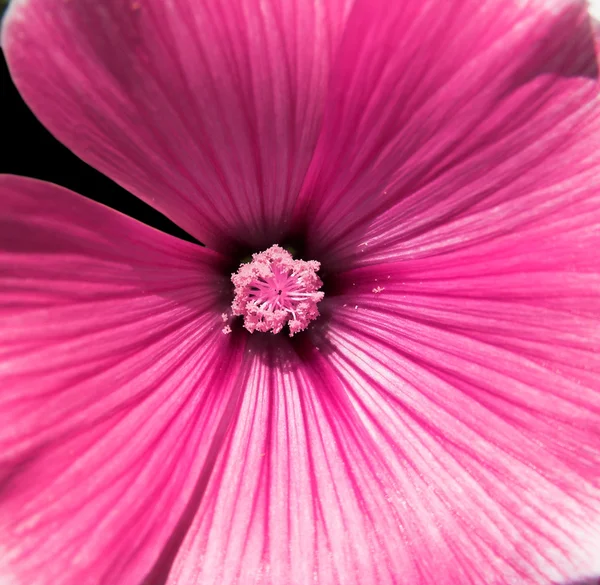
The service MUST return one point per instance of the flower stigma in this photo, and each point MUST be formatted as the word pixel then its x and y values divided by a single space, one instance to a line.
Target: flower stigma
pixel 273 290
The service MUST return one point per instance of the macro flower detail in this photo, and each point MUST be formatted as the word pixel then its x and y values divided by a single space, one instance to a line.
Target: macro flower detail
pixel 273 290
pixel 379 365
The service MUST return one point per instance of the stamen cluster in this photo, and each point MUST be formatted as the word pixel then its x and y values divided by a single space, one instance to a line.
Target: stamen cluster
pixel 274 290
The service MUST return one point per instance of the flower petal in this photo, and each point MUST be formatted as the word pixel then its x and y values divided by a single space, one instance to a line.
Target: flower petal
pixel 442 430
pixel 283 505
pixel 484 444
pixel 117 385
pixel 491 355
pixel 207 110
pixel 442 110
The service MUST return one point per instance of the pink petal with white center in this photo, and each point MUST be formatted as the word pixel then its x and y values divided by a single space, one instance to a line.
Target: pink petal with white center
pixel 209 111
pixel 441 429
pixel 363 462
pixel 439 111
pixel 117 385
pixel 283 505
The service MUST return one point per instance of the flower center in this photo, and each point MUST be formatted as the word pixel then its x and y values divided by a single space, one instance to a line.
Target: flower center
pixel 274 289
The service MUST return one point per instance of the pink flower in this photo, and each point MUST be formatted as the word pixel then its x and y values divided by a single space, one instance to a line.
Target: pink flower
pixel 435 418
